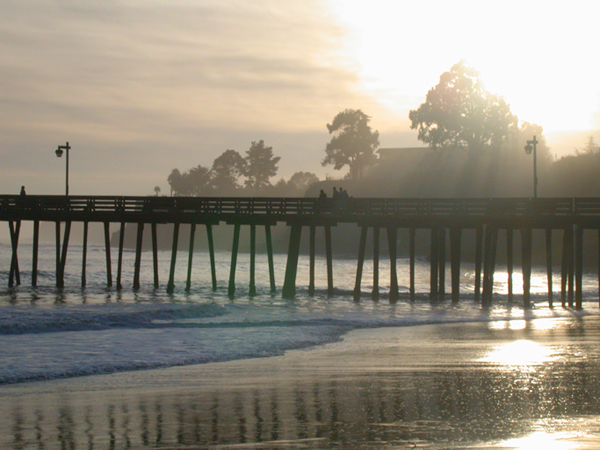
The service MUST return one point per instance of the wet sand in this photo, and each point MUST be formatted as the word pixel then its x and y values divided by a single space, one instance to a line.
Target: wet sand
pixel 519 384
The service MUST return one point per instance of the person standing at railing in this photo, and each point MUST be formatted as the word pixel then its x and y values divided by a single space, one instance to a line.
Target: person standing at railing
pixel 23 193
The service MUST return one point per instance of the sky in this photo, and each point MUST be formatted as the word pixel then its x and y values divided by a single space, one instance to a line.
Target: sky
pixel 140 87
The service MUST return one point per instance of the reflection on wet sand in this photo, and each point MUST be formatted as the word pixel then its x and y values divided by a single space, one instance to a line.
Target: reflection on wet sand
pixel 444 402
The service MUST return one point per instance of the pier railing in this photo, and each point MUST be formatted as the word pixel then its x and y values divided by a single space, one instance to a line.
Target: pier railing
pixel 185 209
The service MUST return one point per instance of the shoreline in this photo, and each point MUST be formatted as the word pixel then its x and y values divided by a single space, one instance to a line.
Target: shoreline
pixel 374 387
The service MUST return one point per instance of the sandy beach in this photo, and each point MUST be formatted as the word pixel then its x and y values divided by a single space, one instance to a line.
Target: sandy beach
pixel 517 384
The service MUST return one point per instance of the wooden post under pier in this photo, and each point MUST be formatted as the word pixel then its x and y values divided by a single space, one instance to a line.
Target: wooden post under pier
pixel 211 251
pixel 311 260
pixel 361 260
pixel 291 269
pixel 120 256
pixel 455 248
pixel 526 247
pixel 60 281
pixel 412 239
pixel 579 268
pixel 549 270
pixel 252 287
pixel 434 254
pixel 155 254
pixel 34 257
pixel 107 252
pixel 442 265
pixel 14 275
pixel 84 254
pixel 270 258
pixel 137 266
pixel 375 291
pixel 188 283
pixel 329 260
pixel 234 252
pixel 175 243
pixel 509 262
pixel 392 236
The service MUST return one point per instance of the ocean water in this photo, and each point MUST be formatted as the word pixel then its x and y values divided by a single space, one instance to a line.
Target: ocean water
pixel 46 333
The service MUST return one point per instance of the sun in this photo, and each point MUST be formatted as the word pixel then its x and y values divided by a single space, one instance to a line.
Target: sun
pixel 535 57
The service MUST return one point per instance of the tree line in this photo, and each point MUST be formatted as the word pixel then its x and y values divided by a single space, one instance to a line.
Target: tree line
pixel 474 147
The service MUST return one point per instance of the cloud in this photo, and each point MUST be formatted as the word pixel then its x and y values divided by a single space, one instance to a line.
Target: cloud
pixel 146 84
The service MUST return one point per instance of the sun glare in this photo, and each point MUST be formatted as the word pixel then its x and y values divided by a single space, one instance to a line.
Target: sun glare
pixel 519 353
pixel 548 77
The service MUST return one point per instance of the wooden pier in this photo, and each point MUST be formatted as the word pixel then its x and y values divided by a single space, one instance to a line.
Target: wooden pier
pixel 444 220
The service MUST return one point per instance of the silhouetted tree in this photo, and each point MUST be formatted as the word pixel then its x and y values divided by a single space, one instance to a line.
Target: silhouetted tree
pixel 296 186
pixel 301 181
pixel 157 190
pixel 226 172
pixel 199 180
pixel 260 166
pixel 590 147
pixel 179 183
pixel 460 113
pixel 353 143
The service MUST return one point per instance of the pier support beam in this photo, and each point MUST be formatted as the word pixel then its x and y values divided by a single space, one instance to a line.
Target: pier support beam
pixel 211 252
pixel 311 260
pixel 549 266
pixel 175 242
pixel 234 252
pixel 442 265
pixel 579 268
pixel 155 254
pixel 455 247
pixel 270 258
pixel 137 266
pixel 34 258
pixel 375 292
pixel 392 236
pixel 526 250
pixel 329 258
pixel 60 280
pixel 291 269
pixel 188 283
pixel 84 254
pixel 478 261
pixel 107 251
pixel 120 256
pixel 14 275
pixel 252 287
pixel 360 263
pixel 489 264
pixel 509 263
pixel 411 239
pixel 434 254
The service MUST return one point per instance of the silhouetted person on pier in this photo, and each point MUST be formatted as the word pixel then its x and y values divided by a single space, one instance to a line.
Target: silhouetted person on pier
pixel 322 194
pixel 336 194
pixel 23 190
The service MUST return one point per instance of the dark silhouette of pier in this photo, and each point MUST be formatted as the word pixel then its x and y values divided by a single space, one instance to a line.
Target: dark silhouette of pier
pixel 444 219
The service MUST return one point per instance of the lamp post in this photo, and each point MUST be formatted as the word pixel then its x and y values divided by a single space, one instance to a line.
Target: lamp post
pixel 59 153
pixel 532 146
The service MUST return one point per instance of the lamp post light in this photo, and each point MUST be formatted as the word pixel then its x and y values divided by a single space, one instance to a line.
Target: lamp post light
pixel 532 147
pixel 59 153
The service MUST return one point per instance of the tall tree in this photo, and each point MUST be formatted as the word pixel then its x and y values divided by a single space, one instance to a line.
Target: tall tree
pixel 353 143
pixel 226 171
pixel 460 113
pixel 590 147
pixel 199 178
pixel 179 183
pixel 261 165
